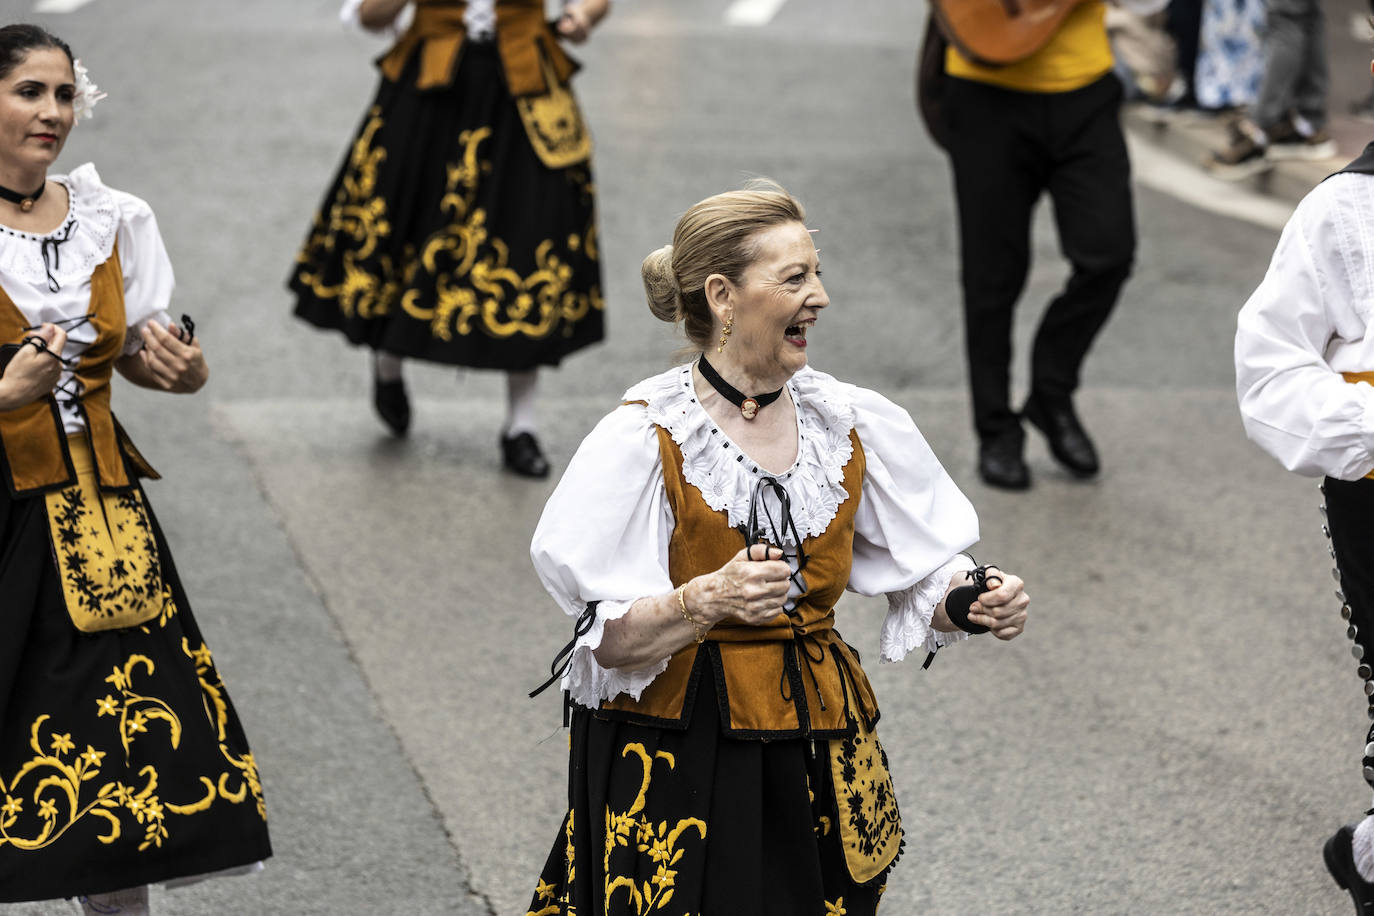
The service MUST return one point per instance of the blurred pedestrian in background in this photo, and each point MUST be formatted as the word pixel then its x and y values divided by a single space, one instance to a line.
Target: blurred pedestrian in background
pixel 1230 61
pixel 461 227
pixel 1288 119
pixel 122 761
pixel 1046 123
pixel 1304 356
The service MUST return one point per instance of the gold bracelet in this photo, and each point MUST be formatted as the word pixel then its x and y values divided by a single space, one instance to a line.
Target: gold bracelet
pixel 696 624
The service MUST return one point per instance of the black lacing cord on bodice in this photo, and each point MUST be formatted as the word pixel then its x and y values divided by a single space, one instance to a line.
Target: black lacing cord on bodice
pixel 50 248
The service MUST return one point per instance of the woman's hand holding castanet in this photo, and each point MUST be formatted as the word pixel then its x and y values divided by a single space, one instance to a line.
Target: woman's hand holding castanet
pixel 753 590
pixel 1002 609
pixel 33 370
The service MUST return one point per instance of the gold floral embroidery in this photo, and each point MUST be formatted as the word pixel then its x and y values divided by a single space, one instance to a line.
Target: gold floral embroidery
pixel 836 908
pixel 870 825
pixel 474 285
pixel 59 777
pixel 107 558
pixel 658 842
pixel 359 214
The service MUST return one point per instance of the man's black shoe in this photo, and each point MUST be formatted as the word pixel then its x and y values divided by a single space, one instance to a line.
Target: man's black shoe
pixel 389 398
pixel 1340 861
pixel 521 455
pixel 1069 442
pixel 1000 464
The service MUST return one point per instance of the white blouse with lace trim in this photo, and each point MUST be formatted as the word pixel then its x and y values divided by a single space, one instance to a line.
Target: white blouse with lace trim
pixel 97 218
pixel 604 533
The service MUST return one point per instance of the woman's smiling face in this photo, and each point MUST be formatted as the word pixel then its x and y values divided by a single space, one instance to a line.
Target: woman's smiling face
pixel 36 112
pixel 776 304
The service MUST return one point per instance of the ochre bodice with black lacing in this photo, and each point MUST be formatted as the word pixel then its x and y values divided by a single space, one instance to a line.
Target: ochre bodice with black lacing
pixel 793 677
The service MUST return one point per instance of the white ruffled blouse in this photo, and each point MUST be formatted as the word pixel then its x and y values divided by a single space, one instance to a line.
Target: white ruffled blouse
pixel 97 218
pixel 1308 322
pixel 604 533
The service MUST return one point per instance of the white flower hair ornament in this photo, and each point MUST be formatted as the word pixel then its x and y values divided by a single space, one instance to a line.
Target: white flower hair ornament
pixel 87 93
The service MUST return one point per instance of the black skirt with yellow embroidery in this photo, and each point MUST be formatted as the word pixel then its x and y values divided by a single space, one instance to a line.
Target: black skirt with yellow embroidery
pixel 444 237
pixel 711 823
pixel 122 761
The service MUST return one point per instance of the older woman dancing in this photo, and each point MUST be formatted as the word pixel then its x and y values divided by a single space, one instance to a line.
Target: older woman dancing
pixel 723 752
pixel 121 758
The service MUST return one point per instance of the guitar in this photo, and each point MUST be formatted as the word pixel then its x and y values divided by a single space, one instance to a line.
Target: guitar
pixel 995 33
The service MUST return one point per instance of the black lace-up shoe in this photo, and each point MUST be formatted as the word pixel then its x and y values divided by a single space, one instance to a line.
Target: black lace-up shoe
pixel 1000 463
pixel 389 398
pixel 520 454
pixel 1069 442
pixel 1340 861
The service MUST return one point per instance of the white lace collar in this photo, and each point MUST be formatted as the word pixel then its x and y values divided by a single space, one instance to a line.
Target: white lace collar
pixel 725 476
pixel 90 228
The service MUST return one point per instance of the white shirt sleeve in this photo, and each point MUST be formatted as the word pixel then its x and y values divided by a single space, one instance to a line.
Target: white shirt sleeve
pixel 148 279
pixel 910 527
pixel 1294 404
pixel 604 537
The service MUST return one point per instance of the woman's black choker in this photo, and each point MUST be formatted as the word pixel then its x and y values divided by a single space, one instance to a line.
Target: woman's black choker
pixel 748 406
pixel 24 202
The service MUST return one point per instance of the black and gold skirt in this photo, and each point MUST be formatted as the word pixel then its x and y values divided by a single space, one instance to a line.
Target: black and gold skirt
pixel 444 236
pixel 713 824
pixel 122 761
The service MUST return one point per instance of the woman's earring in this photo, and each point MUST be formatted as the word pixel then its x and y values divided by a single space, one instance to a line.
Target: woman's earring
pixel 725 334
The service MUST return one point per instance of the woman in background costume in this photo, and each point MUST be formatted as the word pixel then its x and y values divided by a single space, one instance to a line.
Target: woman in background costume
pixel 461 226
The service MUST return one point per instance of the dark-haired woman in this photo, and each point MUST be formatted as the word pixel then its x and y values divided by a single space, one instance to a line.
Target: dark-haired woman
pixel 724 757
pixel 122 761
pixel 461 228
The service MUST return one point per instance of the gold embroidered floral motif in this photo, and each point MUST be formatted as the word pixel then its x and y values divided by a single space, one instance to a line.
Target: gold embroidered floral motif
pixel 870 824
pixel 60 776
pixel 107 559
pixel 658 842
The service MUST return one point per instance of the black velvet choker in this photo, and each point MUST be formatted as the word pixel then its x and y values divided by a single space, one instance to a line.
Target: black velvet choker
pixel 748 406
pixel 25 202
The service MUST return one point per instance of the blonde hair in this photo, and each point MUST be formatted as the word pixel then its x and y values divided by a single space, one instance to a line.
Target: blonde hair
pixel 718 235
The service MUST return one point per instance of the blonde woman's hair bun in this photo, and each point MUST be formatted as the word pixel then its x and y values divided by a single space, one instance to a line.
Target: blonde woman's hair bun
pixel 660 285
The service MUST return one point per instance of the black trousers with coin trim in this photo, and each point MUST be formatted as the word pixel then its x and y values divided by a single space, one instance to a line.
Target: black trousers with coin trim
pixel 1349 508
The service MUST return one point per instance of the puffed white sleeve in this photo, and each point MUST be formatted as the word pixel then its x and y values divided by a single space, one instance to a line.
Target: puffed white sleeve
pixel 148 279
pixel 604 537
pixel 912 523
pixel 1293 404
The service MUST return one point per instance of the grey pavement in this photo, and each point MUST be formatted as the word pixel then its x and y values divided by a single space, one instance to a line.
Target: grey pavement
pixel 1176 733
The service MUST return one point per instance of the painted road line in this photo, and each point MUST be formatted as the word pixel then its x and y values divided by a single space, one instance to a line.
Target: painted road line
pixel 1163 172
pixel 59 6
pixel 753 12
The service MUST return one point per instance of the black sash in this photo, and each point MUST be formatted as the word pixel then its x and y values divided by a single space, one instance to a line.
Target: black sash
pixel 1363 165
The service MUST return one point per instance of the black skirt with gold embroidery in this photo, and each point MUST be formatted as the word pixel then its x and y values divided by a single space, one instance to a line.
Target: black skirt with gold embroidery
pixel 444 236
pixel 122 761
pixel 711 823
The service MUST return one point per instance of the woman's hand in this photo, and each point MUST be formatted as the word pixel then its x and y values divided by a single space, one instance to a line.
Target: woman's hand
pixel 754 590
pixel 32 372
pixel 1002 609
pixel 580 17
pixel 166 362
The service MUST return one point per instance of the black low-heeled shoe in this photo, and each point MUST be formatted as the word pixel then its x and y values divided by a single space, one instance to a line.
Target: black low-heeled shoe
pixel 520 454
pixel 1339 854
pixel 1000 463
pixel 1069 442
pixel 392 404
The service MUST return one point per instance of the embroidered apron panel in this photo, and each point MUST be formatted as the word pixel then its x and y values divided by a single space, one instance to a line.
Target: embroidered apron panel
pixel 105 551
pixel 553 122
pixel 869 822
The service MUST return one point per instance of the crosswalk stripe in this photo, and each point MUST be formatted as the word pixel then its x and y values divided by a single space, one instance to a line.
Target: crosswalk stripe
pixel 753 12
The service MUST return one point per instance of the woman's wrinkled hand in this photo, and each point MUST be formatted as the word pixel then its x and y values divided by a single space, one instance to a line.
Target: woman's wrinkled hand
pixel 753 590
pixel 33 371
pixel 1002 609
pixel 172 364
pixel 579 18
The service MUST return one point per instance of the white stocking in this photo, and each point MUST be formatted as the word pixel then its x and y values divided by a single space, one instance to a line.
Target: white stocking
pixel 387 366
pixel 521 388
pixel 1362 845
